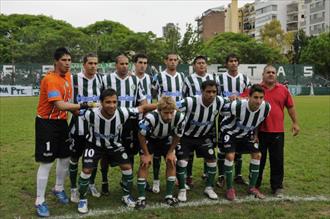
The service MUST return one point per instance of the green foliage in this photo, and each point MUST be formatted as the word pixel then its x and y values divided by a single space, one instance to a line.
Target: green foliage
pixel 190 45
pixel 272 34
pixel 317 52
pixel 247 48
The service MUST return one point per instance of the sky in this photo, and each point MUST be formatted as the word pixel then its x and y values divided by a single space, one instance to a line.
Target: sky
pixel 139 16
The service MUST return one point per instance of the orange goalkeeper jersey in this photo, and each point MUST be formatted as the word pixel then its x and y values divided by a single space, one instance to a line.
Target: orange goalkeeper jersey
pixel 54 88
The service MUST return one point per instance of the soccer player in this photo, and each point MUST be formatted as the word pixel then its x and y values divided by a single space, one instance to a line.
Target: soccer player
pixel 239 135
pixel 232 85
pixel 51 129
pixel 191 87
pixel 271 132
pixel 160 132
pixel 87 87
pixel 130 94
pixel 105 126
pixel 166 83
pixel 200 113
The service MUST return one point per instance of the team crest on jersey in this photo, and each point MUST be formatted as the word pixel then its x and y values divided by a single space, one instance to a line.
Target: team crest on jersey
pixel 210 151
pixel 124 155
pixel 133 87
pixel 119 127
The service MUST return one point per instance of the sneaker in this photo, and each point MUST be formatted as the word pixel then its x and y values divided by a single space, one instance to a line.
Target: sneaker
pixel 221 182
pixel 204 176
pixel 61 196
pixel 189 181
pixel 209 192
pixel 148 187
pixel 254 191
pixel 231 194
pixel 156 186
pixel 83 206
pixel 187 187
pixel 140 204
pixel 94 191
pixel 278 193
pixel 240 180
pixel 105 189
pixel 182 196
pixel 74 195
pixel 171 201
pixel 42 210
pixel 128 201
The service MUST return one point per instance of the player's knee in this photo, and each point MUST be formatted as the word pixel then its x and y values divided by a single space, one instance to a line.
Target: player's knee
pixel 256 156
pixel 87 171
pixel 182 163
pixel 125 166
pixel 230 156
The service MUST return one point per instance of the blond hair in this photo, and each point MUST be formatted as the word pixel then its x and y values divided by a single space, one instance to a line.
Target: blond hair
pixel 166 102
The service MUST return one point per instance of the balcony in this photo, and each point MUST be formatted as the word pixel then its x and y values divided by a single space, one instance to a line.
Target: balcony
pixel 317 8
pixel 292 20
pixel 316 20
pixel 317 31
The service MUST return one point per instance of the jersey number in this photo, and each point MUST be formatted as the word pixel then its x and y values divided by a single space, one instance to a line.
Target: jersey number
pixel 89 152
pixel 48 146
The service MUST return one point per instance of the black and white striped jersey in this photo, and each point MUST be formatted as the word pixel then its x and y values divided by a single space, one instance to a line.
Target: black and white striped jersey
pixel 199 118
pixel 152 125
pixel 242 121
pixel 168 85
pixel 129 89
pixel 104 132
pixel 193 84
pixel 230 85
pixel 84 90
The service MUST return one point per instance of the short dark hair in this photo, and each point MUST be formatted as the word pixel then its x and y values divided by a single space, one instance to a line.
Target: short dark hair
pixel 256 88
pixel 91 54
pixel 231 56
pixel 139 56
pixel 59 52
pixel 209 83
pixel 120 56
pixel 199 57
pixel 107 93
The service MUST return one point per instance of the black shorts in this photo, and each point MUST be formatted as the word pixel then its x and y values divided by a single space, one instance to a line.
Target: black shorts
pixel 203 147
pixel 93 154
pixel 243 145
pixel 130 137
pixel 79 145
pixel 158 147
pixel 52 140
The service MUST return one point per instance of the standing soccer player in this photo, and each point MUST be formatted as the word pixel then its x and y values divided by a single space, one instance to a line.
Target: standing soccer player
pixel 166 83
pixel 160 132
pixel 239 135
pixel 232 85
pixel 141 64
pixel 200 113
pixel 51 129
pixel 87 87
pixel 191 87
pixel 130 94
pixel 106 126
pixel 271 132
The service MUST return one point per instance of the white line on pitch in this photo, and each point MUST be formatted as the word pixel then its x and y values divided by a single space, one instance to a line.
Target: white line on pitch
pixel 120 210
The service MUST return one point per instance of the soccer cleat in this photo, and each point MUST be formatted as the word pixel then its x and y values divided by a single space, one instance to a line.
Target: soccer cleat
pixel 209 192
pixel 74 195
pixel 278 193
pixel 171 201
pixel 83 206
pixel 240 180
pixel 94 191
pixel 148 187
pixel 221 182
pixel 42 210
pixel 105 189
pixel 231 194
pixel 140 204
pixel 182 196
pixel 156 186
pixel 128 201
pixel 189 182
pixel 254 191
pixel 61 196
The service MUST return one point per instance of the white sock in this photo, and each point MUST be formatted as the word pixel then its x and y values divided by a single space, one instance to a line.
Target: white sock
pixel 42 179
pixel 62 167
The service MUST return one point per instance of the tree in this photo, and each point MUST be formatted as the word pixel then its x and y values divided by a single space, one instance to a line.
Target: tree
pixel 272 34
pixel 190 45
pixel 172 39
pixel 247 48
pixel 317 52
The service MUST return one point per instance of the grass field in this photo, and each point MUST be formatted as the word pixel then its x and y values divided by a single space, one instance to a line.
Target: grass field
pixel 307 174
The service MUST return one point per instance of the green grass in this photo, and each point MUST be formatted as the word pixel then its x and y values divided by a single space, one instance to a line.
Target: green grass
pixel 307 171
